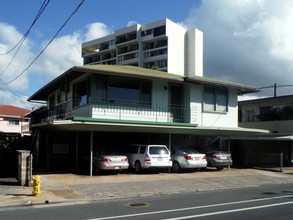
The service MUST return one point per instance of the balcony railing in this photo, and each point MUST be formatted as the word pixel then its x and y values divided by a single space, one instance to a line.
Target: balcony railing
pixel 120 110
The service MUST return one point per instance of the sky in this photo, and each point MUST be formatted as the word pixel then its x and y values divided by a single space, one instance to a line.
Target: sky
pixel 245 41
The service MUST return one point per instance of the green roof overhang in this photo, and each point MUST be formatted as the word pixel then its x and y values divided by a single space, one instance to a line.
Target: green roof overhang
pixel 104 125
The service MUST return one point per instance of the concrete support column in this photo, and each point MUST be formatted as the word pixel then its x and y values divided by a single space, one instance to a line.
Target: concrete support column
pixel 24 174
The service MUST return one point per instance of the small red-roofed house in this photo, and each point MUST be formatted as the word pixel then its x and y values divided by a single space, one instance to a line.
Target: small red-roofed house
pixel 13 120
pixel 14 135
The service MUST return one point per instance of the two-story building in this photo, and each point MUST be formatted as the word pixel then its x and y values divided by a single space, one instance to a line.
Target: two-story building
pixel 111 106
pixel 274 114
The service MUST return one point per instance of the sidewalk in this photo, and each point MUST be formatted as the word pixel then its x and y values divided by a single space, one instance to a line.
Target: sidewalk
pixel 71 188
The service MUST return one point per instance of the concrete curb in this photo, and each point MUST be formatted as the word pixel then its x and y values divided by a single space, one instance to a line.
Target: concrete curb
pixel 67 189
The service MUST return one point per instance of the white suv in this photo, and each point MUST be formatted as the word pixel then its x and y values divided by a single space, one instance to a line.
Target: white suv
pixel 142 156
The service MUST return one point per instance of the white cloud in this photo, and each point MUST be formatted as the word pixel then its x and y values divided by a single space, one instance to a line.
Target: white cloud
pixel 130 23
pixel 249 41
pixel 63 53
pixel 96 30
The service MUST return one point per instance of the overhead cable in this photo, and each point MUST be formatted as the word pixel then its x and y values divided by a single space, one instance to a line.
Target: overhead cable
pixel 41 10
pixel 76 9
pixel 19 44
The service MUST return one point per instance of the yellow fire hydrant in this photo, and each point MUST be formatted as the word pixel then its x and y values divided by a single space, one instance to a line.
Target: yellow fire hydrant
pixel 36 185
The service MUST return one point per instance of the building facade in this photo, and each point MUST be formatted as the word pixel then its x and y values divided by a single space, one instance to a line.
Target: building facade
pixel 112 106
pixel 162 45
pixel 276 115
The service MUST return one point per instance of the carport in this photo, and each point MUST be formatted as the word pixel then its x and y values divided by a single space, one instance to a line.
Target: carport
pixel 265 150
pixel 165 131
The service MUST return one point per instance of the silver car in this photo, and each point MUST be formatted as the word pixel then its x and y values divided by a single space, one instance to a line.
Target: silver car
pixel 219 159
pixel 185 157
pixel 109 161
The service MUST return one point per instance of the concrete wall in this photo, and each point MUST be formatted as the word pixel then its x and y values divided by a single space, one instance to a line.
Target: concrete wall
pixel 194 53
pixel 176 47
pixel 24 174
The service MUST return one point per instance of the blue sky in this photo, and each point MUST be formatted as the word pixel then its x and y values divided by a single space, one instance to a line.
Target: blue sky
pixel 245 41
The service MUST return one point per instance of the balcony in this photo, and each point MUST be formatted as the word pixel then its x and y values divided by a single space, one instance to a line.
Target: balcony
pixel 126 38
pixel 119 110
pixel 127 49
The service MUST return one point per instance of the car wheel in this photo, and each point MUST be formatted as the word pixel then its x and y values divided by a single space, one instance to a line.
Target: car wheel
pixel 137 167
pixel 176 167
pixel 220 168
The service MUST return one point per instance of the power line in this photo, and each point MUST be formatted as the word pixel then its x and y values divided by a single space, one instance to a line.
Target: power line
pixel 16 93
pixel 76 9
pixel 41 10
pixel 275 86
pixel 20 42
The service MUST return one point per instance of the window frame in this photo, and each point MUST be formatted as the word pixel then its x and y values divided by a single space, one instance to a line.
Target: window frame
pixel 212 101
pixel 80 93
pixel 143 89
pixel 13 122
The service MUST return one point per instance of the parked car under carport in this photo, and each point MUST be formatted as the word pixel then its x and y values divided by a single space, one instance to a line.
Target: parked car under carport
pixel 185 157
pixel 219 159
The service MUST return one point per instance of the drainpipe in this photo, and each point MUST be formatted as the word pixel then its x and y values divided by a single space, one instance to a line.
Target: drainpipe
pixel 76 152
pixel 229 149
pixel 170 143
pixel 91 155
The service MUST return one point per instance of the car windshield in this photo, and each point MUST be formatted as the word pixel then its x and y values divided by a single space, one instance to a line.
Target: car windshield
pixel 158 150
pixel 187 150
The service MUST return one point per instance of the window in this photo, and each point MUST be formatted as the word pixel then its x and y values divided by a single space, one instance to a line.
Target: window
pixel 276 112
pixel 215 99
pixel 129 91
pixel 147 32
pixel 142 149
pixel 250 115
pixel 112 42
pixel 158 150
pixel 80 93
pixel 162 63
pixel 159 31
pixel 13 122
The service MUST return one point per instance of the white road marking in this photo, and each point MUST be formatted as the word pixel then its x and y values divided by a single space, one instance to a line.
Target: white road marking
pixel 201 207
pixel 231 211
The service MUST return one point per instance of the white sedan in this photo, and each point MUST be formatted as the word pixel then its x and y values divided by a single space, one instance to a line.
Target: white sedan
pixel 110 161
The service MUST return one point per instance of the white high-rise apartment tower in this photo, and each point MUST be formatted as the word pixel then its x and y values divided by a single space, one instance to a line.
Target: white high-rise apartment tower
pixel 162 45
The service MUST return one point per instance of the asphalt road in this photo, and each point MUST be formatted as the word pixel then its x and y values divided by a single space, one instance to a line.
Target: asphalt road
pixel 266 202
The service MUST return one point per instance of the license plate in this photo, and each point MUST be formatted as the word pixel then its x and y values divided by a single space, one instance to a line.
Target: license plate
pixel 116 168
pixel 223 158
pixel 160 159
